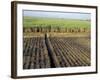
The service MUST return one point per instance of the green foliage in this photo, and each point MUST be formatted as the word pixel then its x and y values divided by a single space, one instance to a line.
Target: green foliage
pixel 63 23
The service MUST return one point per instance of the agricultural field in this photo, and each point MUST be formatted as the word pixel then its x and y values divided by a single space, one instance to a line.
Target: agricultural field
pixel 35 53
pixel 56 42
pixel 52 52
pixel 32 24
pixel 70 53
pixel 54 22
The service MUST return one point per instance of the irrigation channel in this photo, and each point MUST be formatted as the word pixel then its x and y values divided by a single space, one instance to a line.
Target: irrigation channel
pixel 53 52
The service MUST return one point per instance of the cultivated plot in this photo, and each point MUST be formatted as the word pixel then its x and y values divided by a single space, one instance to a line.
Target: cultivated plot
pixel 56 39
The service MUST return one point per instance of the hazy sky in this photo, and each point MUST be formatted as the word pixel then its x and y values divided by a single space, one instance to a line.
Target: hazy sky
pixel 65 15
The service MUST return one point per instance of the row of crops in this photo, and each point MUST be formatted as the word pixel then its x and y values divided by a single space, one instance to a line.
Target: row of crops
pixel 55 29
pixel 51 52
pixel 70 53
pixel 35 53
